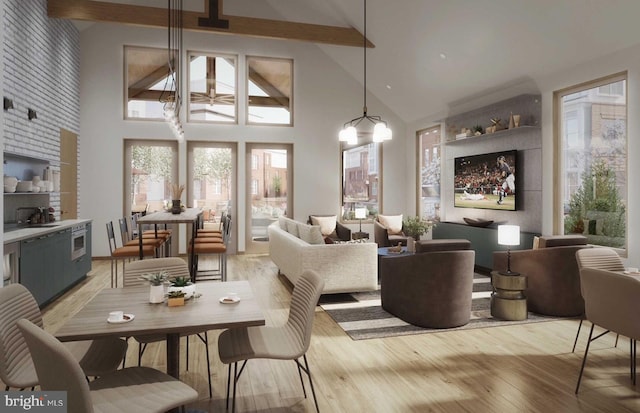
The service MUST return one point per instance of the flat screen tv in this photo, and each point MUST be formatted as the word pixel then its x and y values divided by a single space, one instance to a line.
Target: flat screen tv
pixel 486 181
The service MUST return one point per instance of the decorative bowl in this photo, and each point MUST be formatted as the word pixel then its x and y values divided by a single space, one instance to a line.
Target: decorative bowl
pixel 9 188
pixel 477 222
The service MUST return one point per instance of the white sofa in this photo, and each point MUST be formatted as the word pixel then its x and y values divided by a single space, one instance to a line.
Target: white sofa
pixel 347 267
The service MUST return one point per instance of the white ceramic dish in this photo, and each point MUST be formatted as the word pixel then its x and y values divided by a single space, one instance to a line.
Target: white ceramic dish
pixel 229 300
pixel 9 188
pixel 126 318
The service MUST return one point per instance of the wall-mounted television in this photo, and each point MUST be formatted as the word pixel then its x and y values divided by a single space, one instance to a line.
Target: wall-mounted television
pixel 486 181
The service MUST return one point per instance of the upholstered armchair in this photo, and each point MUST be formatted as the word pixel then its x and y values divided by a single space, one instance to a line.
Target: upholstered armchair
pixel 553 278
pixel 429 289
pixel 330 227
pixel 388 231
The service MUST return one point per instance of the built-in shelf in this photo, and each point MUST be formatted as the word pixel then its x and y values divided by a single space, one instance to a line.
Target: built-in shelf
pixel 497 134
pixel 29 193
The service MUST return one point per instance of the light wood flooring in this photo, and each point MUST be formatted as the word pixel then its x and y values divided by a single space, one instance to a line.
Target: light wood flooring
pixel 522 368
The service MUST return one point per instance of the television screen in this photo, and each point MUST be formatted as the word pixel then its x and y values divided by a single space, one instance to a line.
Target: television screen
pixel 486 181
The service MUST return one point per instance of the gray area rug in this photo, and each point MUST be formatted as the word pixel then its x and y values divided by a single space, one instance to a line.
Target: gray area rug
pixel 361 316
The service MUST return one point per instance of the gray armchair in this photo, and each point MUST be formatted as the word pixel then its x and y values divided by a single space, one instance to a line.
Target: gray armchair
pixel 384 239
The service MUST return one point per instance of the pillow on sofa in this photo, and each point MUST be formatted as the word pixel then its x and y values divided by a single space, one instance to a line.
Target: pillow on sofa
pixel 393 223
pixel 327 224
pixel 292 228
pixel 310 233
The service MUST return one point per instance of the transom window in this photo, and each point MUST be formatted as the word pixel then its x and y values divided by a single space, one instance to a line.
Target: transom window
pixel 270 91
pixel 212 88
pixel 146 72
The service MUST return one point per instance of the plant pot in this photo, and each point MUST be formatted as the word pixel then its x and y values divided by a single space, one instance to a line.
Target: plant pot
pixel 411 245
pixel 156 294
pixel 175 302
pixel 188 290
pixel 176 206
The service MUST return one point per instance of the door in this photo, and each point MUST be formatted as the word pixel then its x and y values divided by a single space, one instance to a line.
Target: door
pixel 269 191
pixel 68 175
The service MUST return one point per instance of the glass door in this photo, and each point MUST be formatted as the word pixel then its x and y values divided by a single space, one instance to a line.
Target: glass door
pixel 269 191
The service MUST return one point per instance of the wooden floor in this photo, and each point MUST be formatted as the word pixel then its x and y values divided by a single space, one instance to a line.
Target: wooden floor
pixel 523 368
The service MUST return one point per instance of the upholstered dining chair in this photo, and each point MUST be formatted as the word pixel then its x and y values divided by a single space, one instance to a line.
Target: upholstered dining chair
pixel 96 357
pixel 611 300
pixel 287 342
pixel 174 267
pixel 602 259
pixel 139 389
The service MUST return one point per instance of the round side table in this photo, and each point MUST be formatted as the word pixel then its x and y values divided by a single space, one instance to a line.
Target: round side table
pixel 508 301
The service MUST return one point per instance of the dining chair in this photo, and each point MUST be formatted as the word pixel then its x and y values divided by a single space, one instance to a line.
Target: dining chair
pixel 140 389
pixel 124 253
pixel 165 234
pixel 287 342
pixel 96 357
pixel 215 246
pixel 611 300
pixel 602 259
pixel 174 267
pixel 127 241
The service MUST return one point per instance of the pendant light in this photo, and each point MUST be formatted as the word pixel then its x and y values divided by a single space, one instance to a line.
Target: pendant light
pixel 170 96
pixel 381 131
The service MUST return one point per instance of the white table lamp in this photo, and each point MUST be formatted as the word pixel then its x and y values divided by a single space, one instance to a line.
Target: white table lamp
pixel 361 213
pixel 509 235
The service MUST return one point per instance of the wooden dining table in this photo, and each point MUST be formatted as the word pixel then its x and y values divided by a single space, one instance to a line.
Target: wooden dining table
pixel 201 314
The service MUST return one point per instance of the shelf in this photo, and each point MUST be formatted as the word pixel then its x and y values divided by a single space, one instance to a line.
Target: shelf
pixel 28 193
pixel 498 134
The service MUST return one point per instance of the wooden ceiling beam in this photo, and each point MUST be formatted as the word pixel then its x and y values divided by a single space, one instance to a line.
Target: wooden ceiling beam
pixel 98 11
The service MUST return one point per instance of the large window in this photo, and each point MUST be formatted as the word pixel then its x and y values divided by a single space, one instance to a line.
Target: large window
pixel 146 72
pixel 429 172
pixel 212 88
pixel 270 91
pixel 592 161
pixel 361 179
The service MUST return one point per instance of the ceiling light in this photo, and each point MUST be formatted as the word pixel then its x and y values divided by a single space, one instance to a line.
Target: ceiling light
pixel 381 131
pixel 170 96
pixel 443 56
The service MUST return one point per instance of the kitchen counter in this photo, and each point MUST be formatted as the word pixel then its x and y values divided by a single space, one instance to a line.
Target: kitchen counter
pixel 31 232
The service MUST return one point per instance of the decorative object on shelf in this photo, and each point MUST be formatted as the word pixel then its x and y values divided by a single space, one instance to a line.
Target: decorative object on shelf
pixel 184 285
pixel 176 193
pixel 477 222
pixel 509 235
pixel 156 282
pixel 516 121
pixel 415 227
pixel 478 130
pixel 511 121
pixel 7 103
pixel 360 214
pixel 381 131
pixel 171 97
pixel 175 298
pixel 496 124
pixel 32 114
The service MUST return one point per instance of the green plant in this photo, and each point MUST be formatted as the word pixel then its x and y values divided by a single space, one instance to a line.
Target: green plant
pixel 175 294
pixel 180 281
pixel 478 128
pixel 155 278
pixel 415 227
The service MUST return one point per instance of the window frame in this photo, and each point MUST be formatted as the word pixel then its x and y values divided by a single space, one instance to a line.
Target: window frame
pixel 248 59
pixel 376 187
pixel 420 155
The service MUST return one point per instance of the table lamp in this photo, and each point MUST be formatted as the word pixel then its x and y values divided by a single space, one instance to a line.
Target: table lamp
pixel 508 235
pixel 361 213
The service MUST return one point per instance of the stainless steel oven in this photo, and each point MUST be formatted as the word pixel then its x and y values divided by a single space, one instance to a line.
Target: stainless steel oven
pixel 78 241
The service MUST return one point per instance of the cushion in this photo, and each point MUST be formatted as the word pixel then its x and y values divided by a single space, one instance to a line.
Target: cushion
pixel 282 221
pixel 310 234
pixel 327 224
pixel 561 240
pixel 432 245
pixel 292 228
pixel 536 243
pixel 328 240
pixel 393 223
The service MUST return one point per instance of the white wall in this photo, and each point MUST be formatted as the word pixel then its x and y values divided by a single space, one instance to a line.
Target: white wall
pixel 324 98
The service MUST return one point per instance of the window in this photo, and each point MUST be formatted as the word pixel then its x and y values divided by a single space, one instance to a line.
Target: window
pixel 361 179
pixel 146 71
pixel 254 187
pixel 428 141
pixel 217 186
pixel 270 91
pixel 212 88
pixel 254 162
pixel 592 161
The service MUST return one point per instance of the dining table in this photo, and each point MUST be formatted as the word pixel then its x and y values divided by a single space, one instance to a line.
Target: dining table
pixel 189 216
pixel 205 311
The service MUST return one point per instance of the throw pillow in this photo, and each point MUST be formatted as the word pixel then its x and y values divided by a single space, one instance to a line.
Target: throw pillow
pixel 310 234
pixel 327 224
pixel 292 228
pixel 316 235
pixel 393 223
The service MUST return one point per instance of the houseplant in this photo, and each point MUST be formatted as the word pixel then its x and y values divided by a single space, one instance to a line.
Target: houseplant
pixel 183 284
pixel 176 193
pixel 414 228
pixel 175 298
pixel 156 282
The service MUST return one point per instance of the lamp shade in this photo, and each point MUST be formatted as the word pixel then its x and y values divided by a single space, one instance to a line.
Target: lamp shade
pixel 508 234
pixel 361 213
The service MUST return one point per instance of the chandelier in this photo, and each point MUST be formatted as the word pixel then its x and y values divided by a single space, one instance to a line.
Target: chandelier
pixel 170 96
pixel 381 131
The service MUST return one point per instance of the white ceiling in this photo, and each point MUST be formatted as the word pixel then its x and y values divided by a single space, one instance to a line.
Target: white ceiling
pixel 488 44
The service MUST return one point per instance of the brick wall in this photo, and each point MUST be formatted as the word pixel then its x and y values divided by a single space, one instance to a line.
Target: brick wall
pixel 41 71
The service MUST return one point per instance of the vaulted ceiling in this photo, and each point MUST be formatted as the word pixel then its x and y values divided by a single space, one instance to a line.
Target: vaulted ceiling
pixel 432 54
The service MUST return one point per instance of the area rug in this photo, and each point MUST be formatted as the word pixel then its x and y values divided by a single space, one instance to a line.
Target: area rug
pixel 361 316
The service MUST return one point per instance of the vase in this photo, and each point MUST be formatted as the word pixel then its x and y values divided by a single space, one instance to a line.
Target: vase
pixel 411 245
pixel 176 207
pixel 156 294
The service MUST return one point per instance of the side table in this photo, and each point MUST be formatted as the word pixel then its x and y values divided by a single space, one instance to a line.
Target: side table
pixel 359 235
pixel 508 301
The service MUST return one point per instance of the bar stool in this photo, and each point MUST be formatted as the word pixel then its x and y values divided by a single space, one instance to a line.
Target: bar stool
pixel 157 243
pixel 124 253
pixel 212 246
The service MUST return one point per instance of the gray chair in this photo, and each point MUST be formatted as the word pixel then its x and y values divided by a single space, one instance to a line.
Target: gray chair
pixel 599 258
pixel 175 267
pixel 288 342
pixel 382 237
pixel 428 289
pixel 96 357
pixel 139 389
pixel 611 301
pixel 342 233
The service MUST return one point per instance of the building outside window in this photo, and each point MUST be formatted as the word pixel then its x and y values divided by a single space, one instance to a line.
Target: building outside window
pixel 428 141
pixel 361 179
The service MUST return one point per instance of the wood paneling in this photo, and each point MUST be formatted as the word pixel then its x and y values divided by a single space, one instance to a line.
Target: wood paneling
pixel 68 175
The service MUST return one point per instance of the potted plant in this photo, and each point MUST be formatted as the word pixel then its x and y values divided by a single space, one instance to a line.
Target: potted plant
pixel 414 228
pixel 183 284
pixel 175 298
pixel 176 193
pixel 156 281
